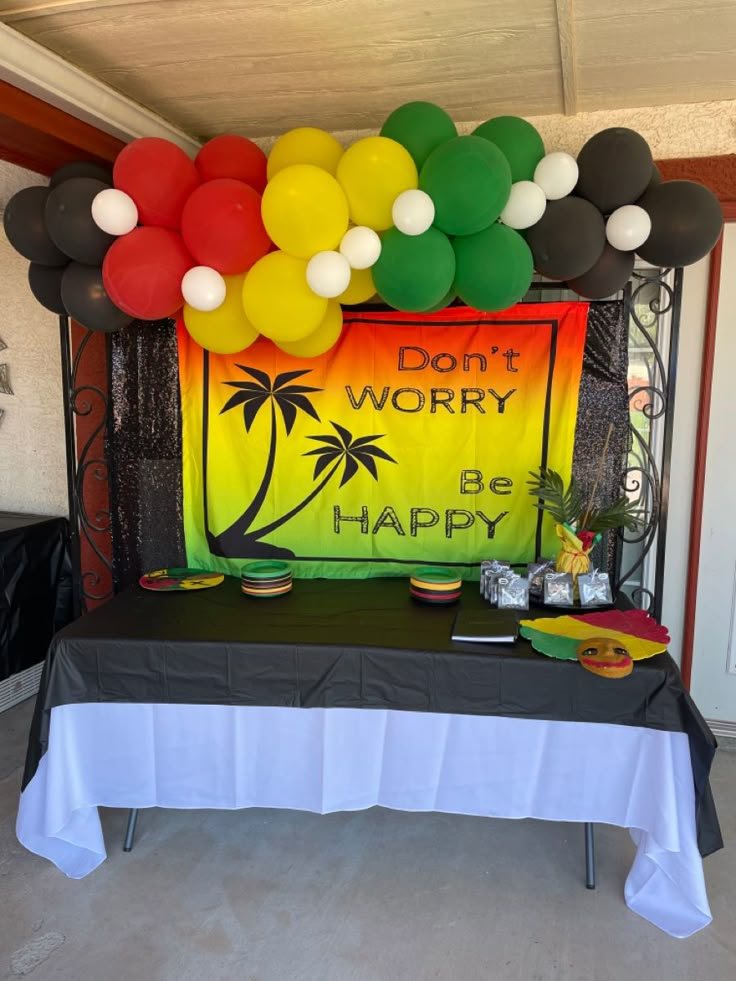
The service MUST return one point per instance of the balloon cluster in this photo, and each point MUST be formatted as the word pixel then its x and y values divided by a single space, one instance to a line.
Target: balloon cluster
pixel 240 245
pixel 109 247
pixel 607 206
pixel 54 228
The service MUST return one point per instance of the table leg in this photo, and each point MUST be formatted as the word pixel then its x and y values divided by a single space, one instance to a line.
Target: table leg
pixel 589 857
pixel 130 830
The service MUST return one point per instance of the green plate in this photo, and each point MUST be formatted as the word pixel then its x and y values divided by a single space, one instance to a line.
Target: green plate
pixel 433 573
pixel 265 570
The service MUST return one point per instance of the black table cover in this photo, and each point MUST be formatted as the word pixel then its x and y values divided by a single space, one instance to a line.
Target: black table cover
pixel 350 644
pixel 35 588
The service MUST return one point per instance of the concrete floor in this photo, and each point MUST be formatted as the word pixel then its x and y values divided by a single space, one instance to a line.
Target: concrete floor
pixel 369 896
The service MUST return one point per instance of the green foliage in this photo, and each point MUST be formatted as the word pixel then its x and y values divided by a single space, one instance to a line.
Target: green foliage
pixel 622 513
pixel 549 488
pixel 565 505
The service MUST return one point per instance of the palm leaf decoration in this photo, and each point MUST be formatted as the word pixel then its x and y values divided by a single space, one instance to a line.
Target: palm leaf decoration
pixel 565 505
pixel 622 513
pixel 353 452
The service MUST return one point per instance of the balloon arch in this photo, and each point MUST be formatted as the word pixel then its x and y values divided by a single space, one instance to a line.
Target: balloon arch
pixel 240 245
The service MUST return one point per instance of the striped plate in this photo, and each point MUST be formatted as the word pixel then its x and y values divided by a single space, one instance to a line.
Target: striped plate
pixel 266 593
pixel 438 599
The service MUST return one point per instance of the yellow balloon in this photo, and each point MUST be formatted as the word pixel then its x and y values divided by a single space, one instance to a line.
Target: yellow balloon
pixel 225 330
pixel 373 172
pixel 321 339
pixel 361 287
pixel 278 301
pixel 305 145
pixel 305 210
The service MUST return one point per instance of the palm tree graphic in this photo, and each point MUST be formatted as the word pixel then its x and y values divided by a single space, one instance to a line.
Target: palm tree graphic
pixel 351 452
pixel 240 540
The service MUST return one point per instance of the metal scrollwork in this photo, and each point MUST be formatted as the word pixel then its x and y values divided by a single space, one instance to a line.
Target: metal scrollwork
pixel 652 299
pixel 653 303
pixel 87 466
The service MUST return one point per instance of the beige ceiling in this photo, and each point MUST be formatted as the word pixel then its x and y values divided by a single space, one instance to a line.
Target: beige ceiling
pixel 259 67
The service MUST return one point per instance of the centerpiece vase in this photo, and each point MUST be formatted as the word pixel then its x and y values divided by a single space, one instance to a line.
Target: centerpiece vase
pixel 574 554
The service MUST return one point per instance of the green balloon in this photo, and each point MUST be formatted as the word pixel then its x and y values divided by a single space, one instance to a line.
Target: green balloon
pixel 414 272
pixel 469 181
pixel 519 142
pixel 443 303
pixel 494 268
pixel 420 127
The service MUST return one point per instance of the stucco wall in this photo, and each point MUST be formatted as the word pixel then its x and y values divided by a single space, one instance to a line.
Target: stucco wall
pixel 689 130
pixel 32 455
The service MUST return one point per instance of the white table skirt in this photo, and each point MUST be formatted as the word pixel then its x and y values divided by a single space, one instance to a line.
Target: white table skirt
pixel 323 760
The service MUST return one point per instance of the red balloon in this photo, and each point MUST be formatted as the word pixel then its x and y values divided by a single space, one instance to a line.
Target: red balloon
pixel 159 176
pixel 143 270
pixel 234 157
pixel 222 226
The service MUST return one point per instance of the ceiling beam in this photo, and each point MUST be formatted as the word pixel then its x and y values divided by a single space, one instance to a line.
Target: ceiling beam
pixel 39 72
pixel 717 173
pixel 568 55
pixel 40 137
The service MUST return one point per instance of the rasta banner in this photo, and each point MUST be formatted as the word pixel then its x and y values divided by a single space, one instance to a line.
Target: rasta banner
pixel 410 441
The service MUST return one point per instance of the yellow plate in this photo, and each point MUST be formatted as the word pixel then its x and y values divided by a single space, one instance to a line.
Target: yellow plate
pixel 436 587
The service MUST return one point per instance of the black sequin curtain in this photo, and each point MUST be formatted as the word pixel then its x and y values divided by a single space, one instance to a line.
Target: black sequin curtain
pixel 603 402
pixel 144 449
pixel 144 442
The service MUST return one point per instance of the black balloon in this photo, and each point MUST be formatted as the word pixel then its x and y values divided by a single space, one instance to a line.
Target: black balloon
pixel 609 275
pixel 25 226
pixel 568 239
pixel 45 283
pixel 686 222
pixel 70 223
pixel 656 177
pixel 82 168
pixel 84 296
pixel 615 167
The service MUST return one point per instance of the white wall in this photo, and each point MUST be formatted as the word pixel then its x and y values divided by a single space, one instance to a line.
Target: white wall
pixel 687 398
pixel 32 454
pixel 714 654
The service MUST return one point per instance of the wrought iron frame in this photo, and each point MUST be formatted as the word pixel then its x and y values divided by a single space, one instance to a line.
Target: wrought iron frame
pixel 84 400
pixel 648 477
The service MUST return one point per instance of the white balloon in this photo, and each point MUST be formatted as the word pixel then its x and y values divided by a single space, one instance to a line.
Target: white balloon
pixel 628 227
pixel 413 212
pixel 525 206
pixel 328 274
pixel 361 246
pixel 557 175
pixel 203 288
pixel 114 211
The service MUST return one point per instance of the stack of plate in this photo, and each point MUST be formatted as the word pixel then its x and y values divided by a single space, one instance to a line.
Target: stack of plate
pixel 266 579
pixel 435 585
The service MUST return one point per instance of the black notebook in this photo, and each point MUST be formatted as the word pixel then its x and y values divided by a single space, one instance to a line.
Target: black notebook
pixel 486 626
